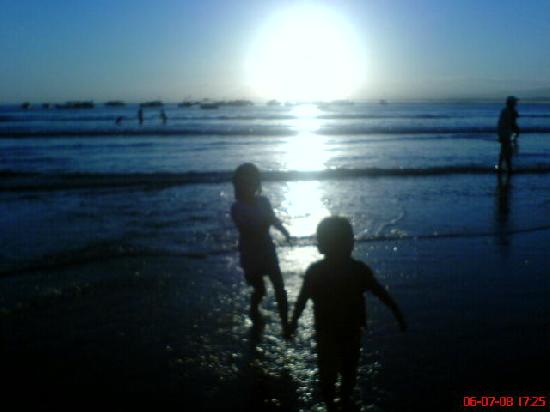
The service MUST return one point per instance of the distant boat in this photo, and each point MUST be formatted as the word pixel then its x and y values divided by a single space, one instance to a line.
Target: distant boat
pixel 154 103
pixel 210 106
pixel 186 104
pixel 46 105
pixel 273 102
pixel 382 101
pixel 76 105
pixel 238 102
pixel 114 103
pixel 25 105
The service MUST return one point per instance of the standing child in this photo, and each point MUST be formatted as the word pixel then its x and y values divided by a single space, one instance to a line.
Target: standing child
pixel 253 215
pixel 336 285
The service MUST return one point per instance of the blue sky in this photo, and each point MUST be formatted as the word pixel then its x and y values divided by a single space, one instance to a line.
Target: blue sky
pixel 136 50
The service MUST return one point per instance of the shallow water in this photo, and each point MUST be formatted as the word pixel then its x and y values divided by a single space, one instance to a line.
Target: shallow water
pixel 128 231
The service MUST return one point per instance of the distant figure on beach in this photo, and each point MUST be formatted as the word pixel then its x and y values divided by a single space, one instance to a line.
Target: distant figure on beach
pixel 336 285
pixel 253 215
pixel 163 117
pixel 119 120
pixel 508 133
pixel 140 116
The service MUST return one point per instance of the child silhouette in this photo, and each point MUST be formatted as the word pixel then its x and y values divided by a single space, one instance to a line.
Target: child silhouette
pixel 253 215
pixel 336 285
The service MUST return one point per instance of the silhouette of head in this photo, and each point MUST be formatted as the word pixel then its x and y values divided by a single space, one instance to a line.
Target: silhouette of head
pixel 246 181
pixel 511 101
pixel 335 237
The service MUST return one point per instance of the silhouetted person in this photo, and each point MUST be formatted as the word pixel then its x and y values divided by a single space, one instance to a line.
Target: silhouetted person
pixel 507 127
pixel 336 285
pixel 163 117
pixel 140 116
pixel 253 215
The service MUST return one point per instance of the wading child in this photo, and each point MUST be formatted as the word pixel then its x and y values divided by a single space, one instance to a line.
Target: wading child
pixel 253 215
pixel 336 285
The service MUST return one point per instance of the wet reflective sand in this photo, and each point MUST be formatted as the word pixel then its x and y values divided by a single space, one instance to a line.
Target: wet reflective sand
pixel 173 331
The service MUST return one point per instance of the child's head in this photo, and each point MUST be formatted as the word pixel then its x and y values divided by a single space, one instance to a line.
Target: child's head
pixel 335 237
pixel 246 181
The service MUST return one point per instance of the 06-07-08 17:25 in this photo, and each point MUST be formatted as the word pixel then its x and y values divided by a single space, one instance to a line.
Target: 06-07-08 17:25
pixel 489 401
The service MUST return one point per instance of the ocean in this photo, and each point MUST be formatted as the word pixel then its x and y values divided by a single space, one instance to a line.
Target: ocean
pixel 123 230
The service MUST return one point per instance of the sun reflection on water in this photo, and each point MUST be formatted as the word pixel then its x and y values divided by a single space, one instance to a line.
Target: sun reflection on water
pixel 303 200
pixel 304 205
pixel 306 150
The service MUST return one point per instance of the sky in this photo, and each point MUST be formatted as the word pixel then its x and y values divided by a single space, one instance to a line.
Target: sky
pixel 174 50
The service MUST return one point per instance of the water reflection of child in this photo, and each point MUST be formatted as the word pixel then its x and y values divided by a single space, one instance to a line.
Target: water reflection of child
pixel 253 216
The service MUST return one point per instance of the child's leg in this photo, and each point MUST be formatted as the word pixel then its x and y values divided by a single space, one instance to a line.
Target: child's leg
pixel 258 292
pixel 327 362
pixel 351 351
pixel 500 158
pixel 280 293
pixel 509 160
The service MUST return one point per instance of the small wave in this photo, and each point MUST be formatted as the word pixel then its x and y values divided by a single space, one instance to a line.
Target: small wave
pixel 11 173
pixel 536 116
pixel 148 131
pixel 95 252
pixel 360 129
pixel 228 117
pixel 457 235
pixel 359 116
pixel 254 131
pixel 108 250
pixel 18 182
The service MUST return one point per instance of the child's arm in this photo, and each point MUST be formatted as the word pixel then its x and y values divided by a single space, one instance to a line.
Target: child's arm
pixel 299 307
pixel 378 290
pixel 279 226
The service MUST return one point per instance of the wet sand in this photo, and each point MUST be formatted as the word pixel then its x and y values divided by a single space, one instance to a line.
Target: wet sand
pixel 171 332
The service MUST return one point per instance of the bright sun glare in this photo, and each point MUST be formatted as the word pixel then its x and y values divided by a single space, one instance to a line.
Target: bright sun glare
pixel 305 53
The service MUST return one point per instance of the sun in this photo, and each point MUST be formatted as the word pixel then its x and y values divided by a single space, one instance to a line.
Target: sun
pixel 305 53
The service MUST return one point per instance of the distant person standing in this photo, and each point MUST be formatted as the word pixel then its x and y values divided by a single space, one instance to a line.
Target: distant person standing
pixel 140 116
pixel 163 117
pixel 507 128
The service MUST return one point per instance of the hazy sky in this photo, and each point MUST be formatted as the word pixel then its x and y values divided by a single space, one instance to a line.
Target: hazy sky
pixel 135 50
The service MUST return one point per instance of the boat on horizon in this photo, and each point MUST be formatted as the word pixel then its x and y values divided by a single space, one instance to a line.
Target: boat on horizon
pixel 210 106
pixel 76 105
pixel 238 102
pixel 114 103
pixel 153 103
